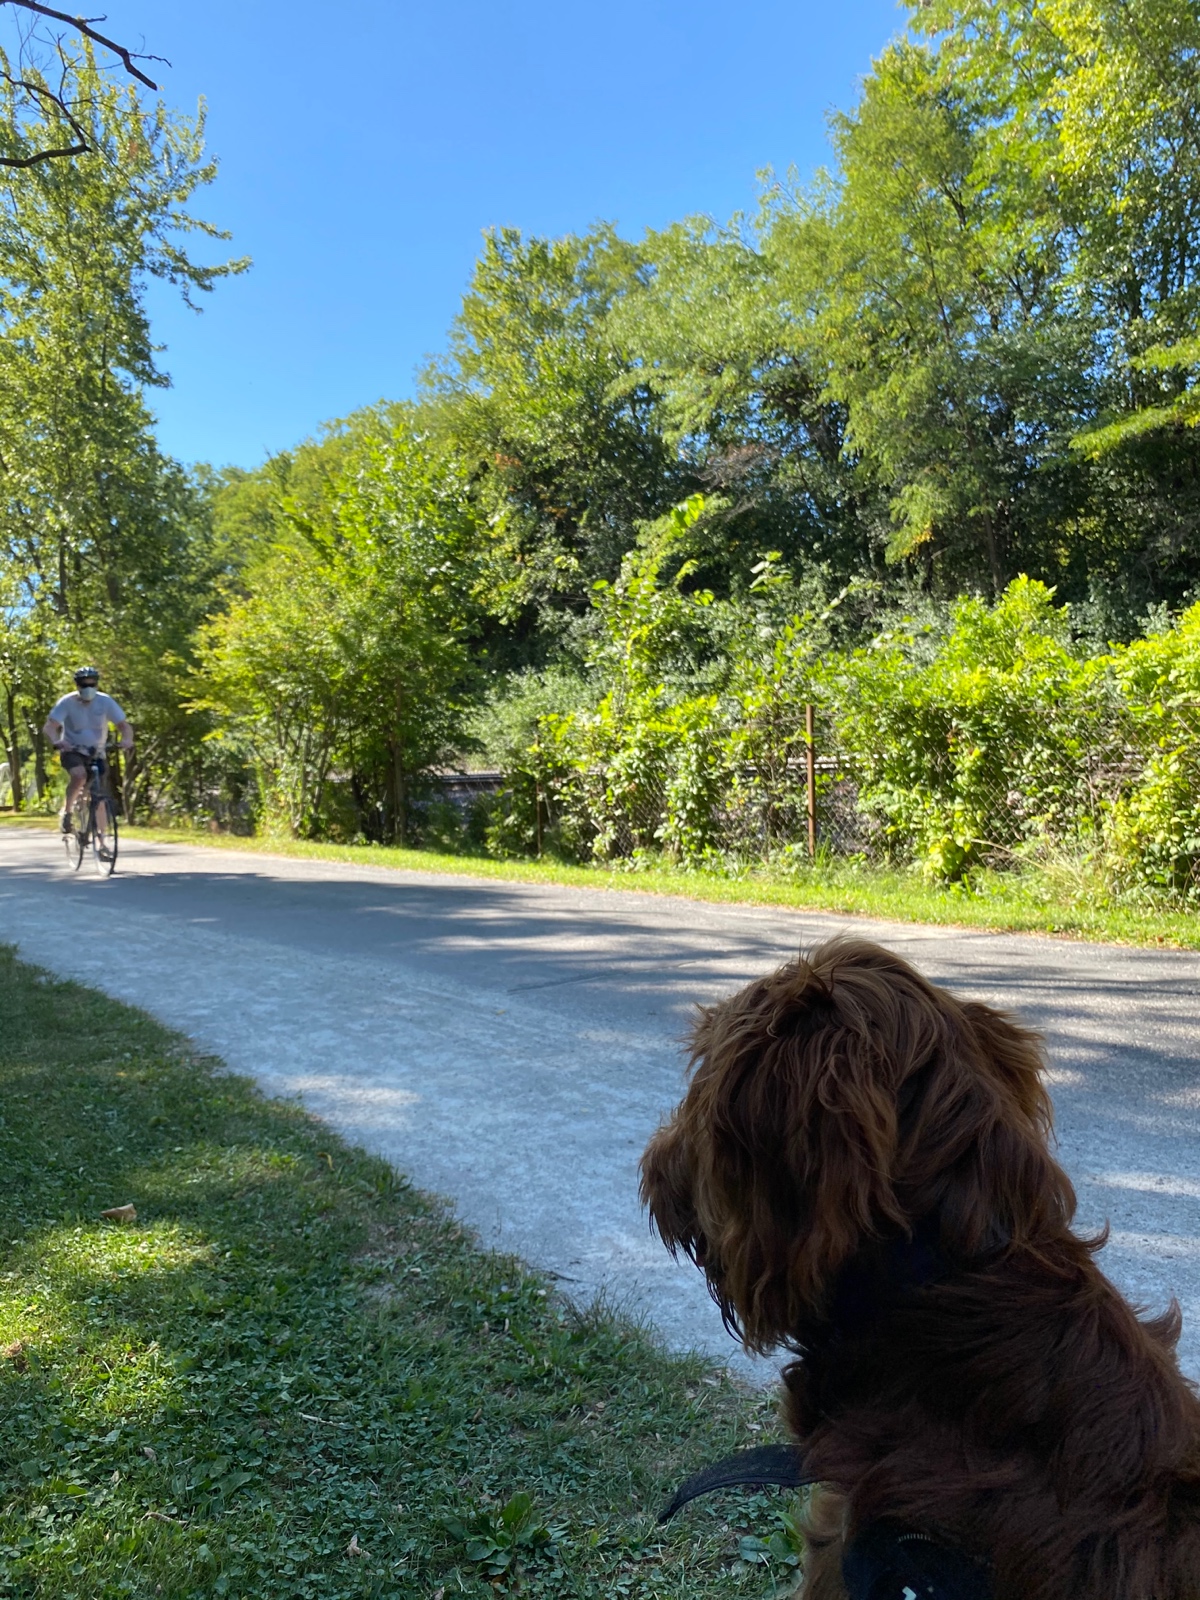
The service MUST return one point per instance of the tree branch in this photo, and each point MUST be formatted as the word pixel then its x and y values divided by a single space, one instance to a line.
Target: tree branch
pixel 36 89
pixel 43 93
pixel 85 27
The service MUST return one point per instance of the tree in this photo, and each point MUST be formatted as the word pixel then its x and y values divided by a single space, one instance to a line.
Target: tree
pixel 713 337
pixel 935 293
pixel 79 470
pixel 30 646
pixel 100 535
pixel 347 651
pixel 1090 117
pixel 563 462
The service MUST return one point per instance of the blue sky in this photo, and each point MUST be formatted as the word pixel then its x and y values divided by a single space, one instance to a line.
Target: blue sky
pixel 364 149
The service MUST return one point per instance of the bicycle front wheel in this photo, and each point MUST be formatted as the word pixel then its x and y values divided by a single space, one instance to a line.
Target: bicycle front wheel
pixel 104 841
pixel 75 842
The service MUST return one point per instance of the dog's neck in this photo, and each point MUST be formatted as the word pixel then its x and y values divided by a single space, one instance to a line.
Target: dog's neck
pixel 882 1273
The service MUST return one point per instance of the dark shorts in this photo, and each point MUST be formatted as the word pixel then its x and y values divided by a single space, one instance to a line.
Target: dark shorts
pixel 74 760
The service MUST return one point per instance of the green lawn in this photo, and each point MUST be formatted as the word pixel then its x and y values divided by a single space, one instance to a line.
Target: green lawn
pixel 295 1376
pixel 1064 900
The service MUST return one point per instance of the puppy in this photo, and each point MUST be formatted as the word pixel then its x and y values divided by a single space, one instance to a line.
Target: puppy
pixel 861 1168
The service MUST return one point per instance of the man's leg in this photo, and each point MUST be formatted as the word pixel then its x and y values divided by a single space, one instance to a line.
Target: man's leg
pixel 76 778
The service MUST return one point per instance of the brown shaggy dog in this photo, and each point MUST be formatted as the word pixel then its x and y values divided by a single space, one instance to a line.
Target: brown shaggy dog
pixel 860 1166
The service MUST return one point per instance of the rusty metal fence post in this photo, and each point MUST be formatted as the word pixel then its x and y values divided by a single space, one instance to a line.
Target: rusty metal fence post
pixel 810 773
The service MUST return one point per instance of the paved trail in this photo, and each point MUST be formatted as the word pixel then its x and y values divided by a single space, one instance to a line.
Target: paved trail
pixel 512 1046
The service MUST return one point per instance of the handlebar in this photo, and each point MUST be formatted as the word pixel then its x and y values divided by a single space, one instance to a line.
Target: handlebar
pixel 94 750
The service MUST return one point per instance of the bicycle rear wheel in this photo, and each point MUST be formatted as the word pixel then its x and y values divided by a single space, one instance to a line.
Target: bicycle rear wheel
pixel 75 842
pixel 104 840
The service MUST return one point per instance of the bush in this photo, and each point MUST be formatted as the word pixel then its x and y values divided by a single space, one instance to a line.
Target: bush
pixel 1002 737
pixel 513 732
pixel 1154 829
pixel 986 737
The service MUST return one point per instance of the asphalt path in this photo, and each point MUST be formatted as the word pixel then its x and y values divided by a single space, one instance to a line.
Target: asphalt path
pixel 512 1046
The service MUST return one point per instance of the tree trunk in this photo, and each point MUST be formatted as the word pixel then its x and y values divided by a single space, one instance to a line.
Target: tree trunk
pixel 39 762
pixel 399 776
pixel 14 751
pixel 993 552
pixel 128 789
pixel 399 793
pixel 116 782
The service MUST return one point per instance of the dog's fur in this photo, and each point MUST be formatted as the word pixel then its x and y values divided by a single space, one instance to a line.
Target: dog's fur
pixel 861 1168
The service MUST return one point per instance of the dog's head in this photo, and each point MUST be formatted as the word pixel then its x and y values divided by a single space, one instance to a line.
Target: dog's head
pixel 840 1100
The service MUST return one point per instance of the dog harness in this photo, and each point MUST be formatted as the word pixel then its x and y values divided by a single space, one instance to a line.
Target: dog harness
pixel 882 1561
pixel 885 1562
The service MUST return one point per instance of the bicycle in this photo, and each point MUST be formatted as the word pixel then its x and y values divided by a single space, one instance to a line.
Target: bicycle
pixel 93 823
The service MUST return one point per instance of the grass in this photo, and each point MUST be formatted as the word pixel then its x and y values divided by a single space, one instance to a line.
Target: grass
pixel 1062 898
pixel 294 1376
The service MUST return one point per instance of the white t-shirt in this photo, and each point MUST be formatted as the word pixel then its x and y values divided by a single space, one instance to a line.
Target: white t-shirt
pixel 85 723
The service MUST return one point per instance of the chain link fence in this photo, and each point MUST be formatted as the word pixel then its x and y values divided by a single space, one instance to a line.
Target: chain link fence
pixel 1102 779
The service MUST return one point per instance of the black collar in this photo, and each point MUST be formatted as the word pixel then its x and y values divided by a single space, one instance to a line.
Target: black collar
pixel 881 1274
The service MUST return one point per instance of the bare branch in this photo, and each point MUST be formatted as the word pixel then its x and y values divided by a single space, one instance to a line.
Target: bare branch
pixel 86 28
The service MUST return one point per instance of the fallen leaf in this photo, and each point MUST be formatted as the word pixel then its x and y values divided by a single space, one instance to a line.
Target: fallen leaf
pixel 149 1453
pixel 352 1549
pixel 120 1214
pixel 439 1594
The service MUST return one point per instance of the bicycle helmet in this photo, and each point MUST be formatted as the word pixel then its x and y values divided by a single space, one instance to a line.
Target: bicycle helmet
pixel 87 677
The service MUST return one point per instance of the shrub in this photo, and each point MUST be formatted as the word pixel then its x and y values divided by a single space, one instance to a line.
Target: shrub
pixel 1154 830
pixel 999 737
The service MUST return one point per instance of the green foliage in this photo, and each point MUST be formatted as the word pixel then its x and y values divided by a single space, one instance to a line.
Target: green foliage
pixel 273 679
pixel 781 1551
pixel 496 1541
pixel 741 395
pixel 348 648
pixel 990 741
pixel 643 775
pixel 895 412
pixel 644 765
pixel 85 513
pixel 775 654
pixel 978 749
pixel 514 731
pixel 1155 828
pixel 697 721
pixel 1155 832
pixel 563 458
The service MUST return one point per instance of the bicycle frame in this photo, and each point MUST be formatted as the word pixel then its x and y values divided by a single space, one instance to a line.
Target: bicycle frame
pixel 95 823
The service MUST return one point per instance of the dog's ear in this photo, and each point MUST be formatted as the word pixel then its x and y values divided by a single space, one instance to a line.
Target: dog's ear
pixel 974 1146
pixel 667 1183
pixel 1015 1058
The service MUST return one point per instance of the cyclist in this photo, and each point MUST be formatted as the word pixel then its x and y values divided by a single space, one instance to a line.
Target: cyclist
pixel 77 727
